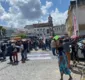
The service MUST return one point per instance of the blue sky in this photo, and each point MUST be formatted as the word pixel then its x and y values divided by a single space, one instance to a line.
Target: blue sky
pixel 14 12
pixel 62 5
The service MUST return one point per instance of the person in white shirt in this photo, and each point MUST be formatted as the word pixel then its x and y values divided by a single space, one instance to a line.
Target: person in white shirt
pixel 53 47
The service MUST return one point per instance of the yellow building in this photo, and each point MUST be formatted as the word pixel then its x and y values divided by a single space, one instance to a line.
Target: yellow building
pixel 69 27
pixel 80 17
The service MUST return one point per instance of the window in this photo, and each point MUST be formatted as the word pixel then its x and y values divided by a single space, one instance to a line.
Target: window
pixel 43 29
pixel 57 28
pixel 37 29
pixel 48 31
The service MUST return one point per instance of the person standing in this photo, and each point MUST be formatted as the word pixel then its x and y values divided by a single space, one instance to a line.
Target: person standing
pixel 66 46
pixel 15 54
pixel 63 61
pixel 9 51
pixel 53 46
pixel 75 53
pixel 3 48
pixel 22 52
pixel 25 45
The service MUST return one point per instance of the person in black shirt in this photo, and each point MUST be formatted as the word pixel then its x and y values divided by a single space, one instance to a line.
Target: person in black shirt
pixel 3 48
pixel 9 51
pixel 75 53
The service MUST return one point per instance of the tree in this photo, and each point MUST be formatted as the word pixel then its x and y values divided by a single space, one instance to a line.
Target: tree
pixel 22 35
pixel 2 31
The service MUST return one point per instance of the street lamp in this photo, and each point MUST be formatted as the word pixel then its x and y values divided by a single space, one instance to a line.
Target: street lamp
pixel 77 18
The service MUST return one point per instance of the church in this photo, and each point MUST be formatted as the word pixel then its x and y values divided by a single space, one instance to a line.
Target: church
pixel 45 29
pixel 41 29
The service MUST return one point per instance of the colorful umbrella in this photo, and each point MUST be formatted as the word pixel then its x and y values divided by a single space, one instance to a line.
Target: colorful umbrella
pixel 74 37
pixel 56 37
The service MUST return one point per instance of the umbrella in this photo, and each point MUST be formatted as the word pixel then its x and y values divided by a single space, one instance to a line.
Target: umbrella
pixel 56 37
pixel 74 36
pixel 23 39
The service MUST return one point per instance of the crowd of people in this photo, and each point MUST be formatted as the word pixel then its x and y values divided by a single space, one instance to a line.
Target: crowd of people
pixel 11 48
pixel 66 49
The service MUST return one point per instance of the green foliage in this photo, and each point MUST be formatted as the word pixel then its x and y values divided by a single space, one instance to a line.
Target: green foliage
pixel 2 31
pixel 22 35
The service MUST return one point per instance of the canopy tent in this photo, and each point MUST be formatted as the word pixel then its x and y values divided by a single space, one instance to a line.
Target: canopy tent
pixel 16 38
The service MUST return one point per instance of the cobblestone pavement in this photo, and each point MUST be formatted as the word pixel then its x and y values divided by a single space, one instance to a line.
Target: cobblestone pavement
pixel 34 69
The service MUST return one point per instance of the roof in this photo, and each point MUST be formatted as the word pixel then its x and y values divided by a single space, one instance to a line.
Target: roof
pixel 29 26
pixel 79 2
pixel 41 25
pixel 59 25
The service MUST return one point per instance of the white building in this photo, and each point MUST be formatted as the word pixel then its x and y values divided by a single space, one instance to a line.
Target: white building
pixel 45 29
pixel 59 29
pixel 41 29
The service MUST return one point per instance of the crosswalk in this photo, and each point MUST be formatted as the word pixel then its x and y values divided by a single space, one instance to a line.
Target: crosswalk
pixel 39 55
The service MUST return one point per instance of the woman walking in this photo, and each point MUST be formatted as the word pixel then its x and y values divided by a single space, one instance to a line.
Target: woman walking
pixel 63 61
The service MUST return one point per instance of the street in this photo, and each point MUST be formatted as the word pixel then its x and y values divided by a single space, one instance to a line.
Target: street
pixel 41 66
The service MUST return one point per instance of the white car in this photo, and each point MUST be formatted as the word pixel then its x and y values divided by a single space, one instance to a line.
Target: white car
pixel 80 44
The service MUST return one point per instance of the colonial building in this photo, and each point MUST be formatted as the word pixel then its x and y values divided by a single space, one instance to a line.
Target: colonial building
pixel 59 29
pixel 79 13
pixel 41 29
pixel 45 29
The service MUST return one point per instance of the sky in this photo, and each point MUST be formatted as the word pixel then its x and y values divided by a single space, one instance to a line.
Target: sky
pixel 18 13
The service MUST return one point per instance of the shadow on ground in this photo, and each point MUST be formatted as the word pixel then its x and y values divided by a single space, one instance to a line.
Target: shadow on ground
pixel 78 69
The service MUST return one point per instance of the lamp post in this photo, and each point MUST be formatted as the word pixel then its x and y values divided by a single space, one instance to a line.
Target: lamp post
pixel 77 17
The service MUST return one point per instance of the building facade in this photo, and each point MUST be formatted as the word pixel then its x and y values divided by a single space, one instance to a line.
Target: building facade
pixel 59 29
pixel 41 29
pixel 80 17
pixel 45 29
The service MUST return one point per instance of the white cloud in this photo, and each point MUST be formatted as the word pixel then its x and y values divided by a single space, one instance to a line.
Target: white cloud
pixel 26 12
pixel 46 7
pixel 30 9
pixel 22 12
pixel 2 11
pixel 5 17
pixel 58 17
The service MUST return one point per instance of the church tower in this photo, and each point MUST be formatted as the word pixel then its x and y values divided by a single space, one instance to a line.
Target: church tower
pixel 50 20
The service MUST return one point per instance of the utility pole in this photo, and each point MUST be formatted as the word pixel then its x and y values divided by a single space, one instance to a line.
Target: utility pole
pixel 77 17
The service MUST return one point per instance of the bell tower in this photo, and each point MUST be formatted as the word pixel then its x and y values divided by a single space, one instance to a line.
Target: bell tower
pixel 50 20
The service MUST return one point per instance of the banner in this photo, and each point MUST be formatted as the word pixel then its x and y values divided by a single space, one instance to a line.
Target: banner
pixel 75 24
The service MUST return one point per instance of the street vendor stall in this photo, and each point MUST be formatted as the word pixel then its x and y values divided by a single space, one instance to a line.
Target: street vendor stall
pixel 16 38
